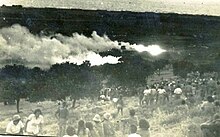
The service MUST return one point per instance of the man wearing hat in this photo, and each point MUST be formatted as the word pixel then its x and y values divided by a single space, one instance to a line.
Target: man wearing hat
pixel 15 126
pixel 108 126
pixel 98 125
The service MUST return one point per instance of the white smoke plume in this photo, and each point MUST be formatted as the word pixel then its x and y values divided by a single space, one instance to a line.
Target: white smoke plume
pixel 19 46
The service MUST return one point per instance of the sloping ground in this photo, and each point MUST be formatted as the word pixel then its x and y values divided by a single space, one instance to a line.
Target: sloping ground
pixel 169 123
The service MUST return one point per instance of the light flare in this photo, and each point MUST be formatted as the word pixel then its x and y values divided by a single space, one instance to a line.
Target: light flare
pixel 154 50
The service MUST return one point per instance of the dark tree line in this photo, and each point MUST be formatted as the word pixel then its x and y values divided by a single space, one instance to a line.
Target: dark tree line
pixel 68 79
pixel 79 81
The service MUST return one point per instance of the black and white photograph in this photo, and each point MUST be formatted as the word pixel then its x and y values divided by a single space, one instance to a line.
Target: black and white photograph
pixel 110 68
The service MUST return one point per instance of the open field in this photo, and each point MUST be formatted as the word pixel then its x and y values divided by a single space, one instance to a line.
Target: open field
pixel 165 121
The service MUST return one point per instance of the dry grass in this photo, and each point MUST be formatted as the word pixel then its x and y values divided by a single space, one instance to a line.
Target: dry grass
pixel 163 123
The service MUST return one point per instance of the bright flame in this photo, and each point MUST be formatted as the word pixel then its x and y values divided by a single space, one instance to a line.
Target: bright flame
pixel 154 50
pixel 93 58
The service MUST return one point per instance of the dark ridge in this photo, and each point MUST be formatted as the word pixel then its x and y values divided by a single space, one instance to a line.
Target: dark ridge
pixel 116 24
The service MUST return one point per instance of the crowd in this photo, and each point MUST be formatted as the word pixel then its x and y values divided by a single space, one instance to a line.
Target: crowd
pixel 183 93
pixel 100 126
pixel 193 87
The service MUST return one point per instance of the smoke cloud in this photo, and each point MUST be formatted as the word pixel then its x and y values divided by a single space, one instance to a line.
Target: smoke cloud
pixel 19 46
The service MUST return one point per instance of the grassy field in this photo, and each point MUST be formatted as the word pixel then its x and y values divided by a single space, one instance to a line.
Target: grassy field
pixel 165 121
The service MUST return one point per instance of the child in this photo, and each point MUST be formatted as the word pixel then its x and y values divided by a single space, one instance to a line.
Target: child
pixel 82 130
pixel 144 128
pixel 71 132
pixel 133 130
pixel 92 131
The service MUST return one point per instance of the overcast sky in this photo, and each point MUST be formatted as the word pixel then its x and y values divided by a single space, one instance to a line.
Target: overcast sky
pixel 207 7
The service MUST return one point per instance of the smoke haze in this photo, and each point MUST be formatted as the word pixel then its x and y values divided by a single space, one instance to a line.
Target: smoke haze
pixel 19 46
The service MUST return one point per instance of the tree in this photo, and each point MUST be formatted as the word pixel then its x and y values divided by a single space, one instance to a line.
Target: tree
pixel 14 88
pixel 68 79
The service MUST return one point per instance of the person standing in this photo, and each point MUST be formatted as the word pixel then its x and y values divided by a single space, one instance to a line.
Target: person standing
pixel 178 92
pixel 161 95
pixel 62 115
pixel 34 123
pixel 120 104
pixel 146 97
pixel 131 120
pixel 108 126
pixel 15 127
pixel 153 95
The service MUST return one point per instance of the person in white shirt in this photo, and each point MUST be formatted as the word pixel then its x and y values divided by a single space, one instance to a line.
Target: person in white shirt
pixel 147 94
pixel 133 133
pixel 34 123
pixel 15 127
pixel 161 95
pixel 178 92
